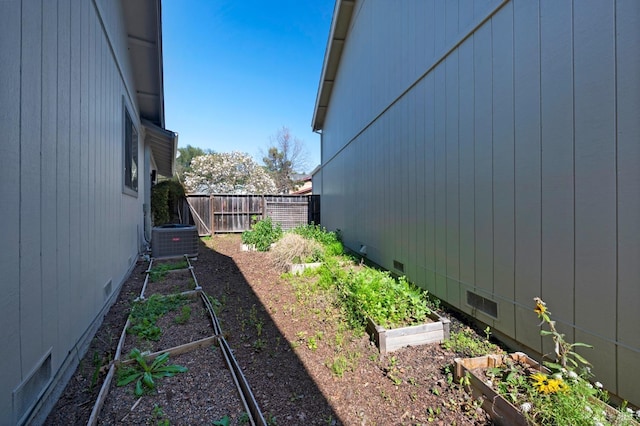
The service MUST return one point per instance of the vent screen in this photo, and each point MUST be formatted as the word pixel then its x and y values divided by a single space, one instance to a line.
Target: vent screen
pixel 27 394
pixel 482 304
pixel 107 289
pixel 398 266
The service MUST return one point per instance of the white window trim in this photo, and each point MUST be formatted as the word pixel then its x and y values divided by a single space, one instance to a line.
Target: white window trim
pixel 130 189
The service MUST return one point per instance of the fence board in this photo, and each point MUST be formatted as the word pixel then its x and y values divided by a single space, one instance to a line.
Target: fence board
pixel 223 213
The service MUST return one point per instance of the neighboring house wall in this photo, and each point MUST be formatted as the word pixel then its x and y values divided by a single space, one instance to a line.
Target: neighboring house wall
pixel 69 233
pixel 316 181
pixel 492 147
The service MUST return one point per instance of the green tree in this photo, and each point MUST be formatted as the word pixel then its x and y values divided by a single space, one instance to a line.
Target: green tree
pixel 285 157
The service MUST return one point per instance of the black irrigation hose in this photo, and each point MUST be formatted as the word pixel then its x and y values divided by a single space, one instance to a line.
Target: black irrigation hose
pixel 214 319
pixel 248 400
pixel 195 280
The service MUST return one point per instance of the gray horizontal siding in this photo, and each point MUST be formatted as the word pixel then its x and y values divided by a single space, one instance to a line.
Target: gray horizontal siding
pixel 501 160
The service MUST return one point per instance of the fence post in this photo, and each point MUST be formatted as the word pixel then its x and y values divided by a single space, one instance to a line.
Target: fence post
pixel 211 215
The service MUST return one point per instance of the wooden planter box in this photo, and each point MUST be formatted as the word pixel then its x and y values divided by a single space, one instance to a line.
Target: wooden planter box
pixel 502 411
pixel 298 268
pixel 250 247
pixel 422 334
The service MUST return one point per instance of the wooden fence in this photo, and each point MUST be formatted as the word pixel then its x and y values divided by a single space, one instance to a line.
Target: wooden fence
pixel 235 213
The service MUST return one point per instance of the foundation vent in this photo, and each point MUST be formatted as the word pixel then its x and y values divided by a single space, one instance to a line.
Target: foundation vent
pixel 30 390
pixel 398 266
pixel 482 304
pixel 107 289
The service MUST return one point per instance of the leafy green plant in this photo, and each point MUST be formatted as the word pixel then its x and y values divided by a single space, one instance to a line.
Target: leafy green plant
pixel 159 271
pixel 165 198
pixel 217 304
pixel 338 365
pixel 270 419
pixel 98 363
pixel 258 345
pixel 224 421
pixel 312 343
pixel 262 234
pixel 243 418
pixel 145 374
pixel 145 313
pixel 467 343
pixel 388 301
pixel 185 315
pixel 159 415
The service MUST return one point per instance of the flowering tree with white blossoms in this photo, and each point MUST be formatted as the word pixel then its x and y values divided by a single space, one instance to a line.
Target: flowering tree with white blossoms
pixel 228 173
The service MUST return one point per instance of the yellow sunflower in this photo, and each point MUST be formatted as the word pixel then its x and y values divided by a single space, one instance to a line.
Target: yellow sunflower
pixel 541 307
pixel 546 385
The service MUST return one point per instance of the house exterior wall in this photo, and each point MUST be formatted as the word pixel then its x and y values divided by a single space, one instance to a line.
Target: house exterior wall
pixel 70 234
pixel 492 147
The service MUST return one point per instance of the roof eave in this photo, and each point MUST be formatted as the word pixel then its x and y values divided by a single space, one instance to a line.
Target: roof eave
pixel 143 24
pixel 163 144
pixel 339 27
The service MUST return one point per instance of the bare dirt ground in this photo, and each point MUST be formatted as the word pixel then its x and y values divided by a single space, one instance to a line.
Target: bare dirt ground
pixel 303 365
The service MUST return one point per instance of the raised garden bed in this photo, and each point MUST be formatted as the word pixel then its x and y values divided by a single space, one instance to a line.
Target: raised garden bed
pixel 186 323
pixel 173 282
pixel 248 247
pixel 500 410
pixel 389 340
pixel 204 396
pixel 298 268
pixel 472 372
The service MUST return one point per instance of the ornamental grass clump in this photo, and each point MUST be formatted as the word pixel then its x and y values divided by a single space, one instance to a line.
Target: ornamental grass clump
pixel 293 248
pixel 329 240
pixel 561 393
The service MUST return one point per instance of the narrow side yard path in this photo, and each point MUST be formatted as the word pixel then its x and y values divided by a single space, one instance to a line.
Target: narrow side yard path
pixel 304 365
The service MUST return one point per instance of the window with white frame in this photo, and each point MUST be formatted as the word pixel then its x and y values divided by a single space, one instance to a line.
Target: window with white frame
pixel 130 154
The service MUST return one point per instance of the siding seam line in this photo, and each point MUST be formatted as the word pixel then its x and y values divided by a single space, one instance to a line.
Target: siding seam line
pixel 617 195
pixel 20 200
pixel 127 89
pixel 441 58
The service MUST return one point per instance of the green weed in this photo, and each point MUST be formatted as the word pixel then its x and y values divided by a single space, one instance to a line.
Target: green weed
pixel 224 421
pixel 145 374
pixel 185 315
pixel 159 271
pixel 145 313
pixel 467 343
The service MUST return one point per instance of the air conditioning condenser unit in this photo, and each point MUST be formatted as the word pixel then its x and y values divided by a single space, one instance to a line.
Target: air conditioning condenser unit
pixel 174 240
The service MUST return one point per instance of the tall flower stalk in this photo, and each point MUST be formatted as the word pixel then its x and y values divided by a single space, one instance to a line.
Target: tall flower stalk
pixel 566 357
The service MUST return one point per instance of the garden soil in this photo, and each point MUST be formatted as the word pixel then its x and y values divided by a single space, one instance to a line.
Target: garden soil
pixel 304 367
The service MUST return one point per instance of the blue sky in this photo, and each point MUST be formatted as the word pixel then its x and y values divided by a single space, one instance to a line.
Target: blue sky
pixel 235 71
